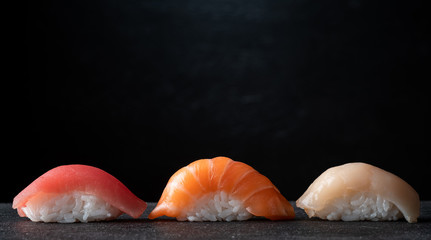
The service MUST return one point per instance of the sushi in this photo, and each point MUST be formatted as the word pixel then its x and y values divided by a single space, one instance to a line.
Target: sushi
pixel 221 189
pixel 72 193
pixel 360 191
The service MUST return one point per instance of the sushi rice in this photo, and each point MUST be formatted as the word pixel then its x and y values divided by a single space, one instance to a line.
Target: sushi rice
pixel 70 207
pixel 362 206
pixel 218 206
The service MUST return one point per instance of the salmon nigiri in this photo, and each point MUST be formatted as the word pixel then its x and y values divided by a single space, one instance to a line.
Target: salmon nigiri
pixel 73 193
pixel 221 189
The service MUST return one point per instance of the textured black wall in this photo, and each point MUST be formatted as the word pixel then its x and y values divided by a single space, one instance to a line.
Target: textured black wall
pixel 142 88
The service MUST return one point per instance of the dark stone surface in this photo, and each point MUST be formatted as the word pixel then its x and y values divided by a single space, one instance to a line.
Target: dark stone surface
pixel 14 227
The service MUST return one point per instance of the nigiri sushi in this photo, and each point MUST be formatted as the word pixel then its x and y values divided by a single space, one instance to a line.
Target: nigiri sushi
pixel 72 193
pixel 221 189
pixel 360 191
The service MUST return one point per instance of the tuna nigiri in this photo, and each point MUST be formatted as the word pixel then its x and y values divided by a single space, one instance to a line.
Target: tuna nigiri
pixel 221 189
pixel 360 191
pixel 73 193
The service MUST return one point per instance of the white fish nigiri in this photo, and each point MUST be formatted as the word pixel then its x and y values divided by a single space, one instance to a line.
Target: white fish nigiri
pixel 360 191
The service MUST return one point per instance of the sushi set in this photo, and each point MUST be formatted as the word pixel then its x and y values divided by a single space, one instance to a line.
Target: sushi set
pixel 219 189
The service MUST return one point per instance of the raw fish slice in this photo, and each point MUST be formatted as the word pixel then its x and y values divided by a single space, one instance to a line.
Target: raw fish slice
pixel 360 191
pixel 220 189
pixel 78 185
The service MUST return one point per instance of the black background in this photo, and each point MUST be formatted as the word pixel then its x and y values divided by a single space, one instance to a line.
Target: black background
pixel 142 88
